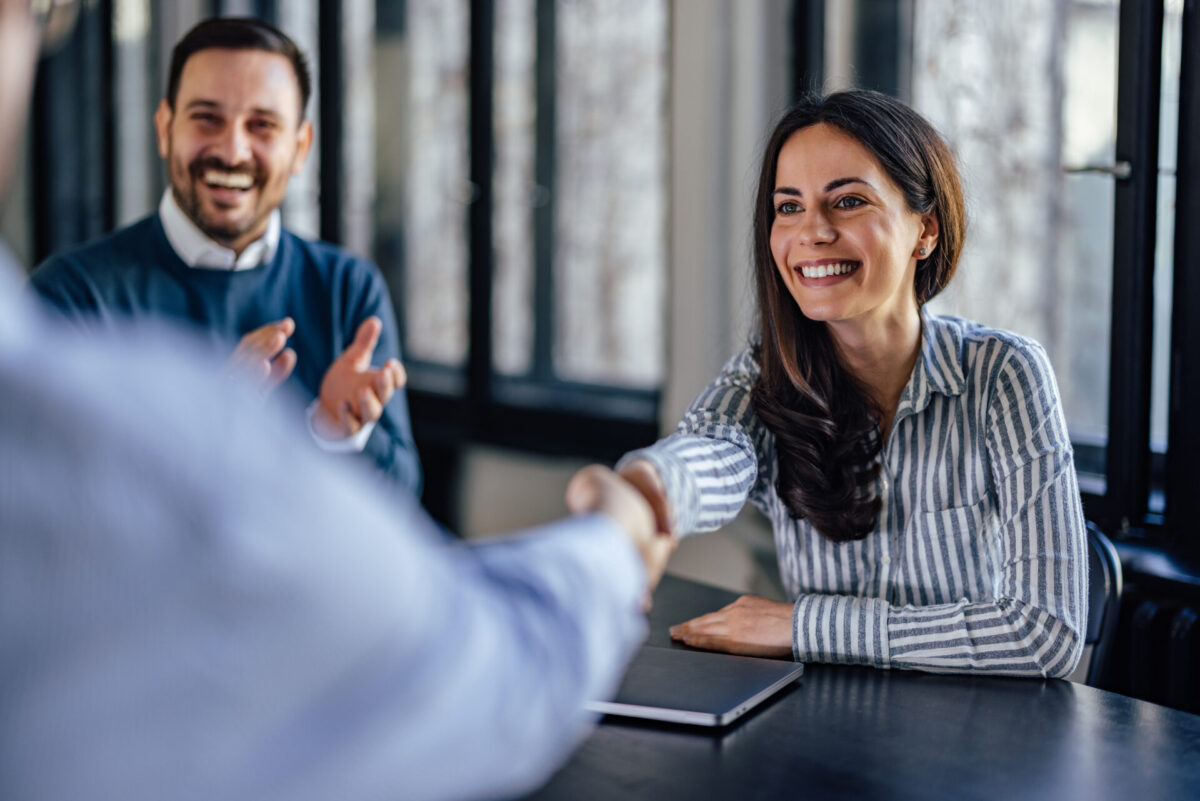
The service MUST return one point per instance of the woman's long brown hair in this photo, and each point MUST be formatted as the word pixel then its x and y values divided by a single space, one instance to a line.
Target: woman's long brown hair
pixel 826 426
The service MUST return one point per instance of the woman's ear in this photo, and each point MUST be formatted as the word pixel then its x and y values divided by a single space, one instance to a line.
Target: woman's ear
pixel 928 238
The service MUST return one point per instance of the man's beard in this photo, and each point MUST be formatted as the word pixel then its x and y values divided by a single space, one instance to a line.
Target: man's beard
pixel 186 189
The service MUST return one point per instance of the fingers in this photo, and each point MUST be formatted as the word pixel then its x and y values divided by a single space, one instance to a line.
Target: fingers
pixel 365 339
pixel 280 368
pixel 751 625
pixel 350 383
pixel 708 625
pixel 598 489
pixel 265 341
pixel 349 422
pixel 370 408
pixel 374 396
pixel 583 490
pixel 262 355
pixel 388 379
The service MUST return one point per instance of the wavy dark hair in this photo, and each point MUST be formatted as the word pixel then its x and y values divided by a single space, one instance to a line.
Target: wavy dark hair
pixel 827 439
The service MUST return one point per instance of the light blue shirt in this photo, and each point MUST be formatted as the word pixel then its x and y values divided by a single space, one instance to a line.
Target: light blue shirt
pixel 195 605
pixel 978 560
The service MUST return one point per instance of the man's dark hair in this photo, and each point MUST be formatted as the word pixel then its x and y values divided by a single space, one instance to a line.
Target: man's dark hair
pixel 238 33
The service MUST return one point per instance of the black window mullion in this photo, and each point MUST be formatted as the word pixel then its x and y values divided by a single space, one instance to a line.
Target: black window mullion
pixel 1183 468
pixel 329 78
pixel 808 46
pixel 73 196
pixel 481 261
pixel 1139 69
pixel 267 10
pixel 543 212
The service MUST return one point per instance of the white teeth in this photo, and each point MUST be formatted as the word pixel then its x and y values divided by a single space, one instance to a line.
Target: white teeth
pixel 825 270
pixel 229 180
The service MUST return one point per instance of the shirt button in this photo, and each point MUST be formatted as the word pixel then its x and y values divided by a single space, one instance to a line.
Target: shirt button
pixel 887 560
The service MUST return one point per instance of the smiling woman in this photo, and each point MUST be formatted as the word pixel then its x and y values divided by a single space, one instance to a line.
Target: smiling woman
pixel 916 468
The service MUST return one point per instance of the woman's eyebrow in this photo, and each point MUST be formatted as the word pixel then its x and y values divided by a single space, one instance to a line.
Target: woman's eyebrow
pixel 829 187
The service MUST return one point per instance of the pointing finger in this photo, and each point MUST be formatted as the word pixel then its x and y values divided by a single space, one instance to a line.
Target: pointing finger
pixel 365 340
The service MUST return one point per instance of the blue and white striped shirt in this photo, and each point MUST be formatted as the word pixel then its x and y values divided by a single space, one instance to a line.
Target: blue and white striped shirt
pixel 978 560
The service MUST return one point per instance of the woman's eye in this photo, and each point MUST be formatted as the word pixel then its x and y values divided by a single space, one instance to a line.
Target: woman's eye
pixel 787 207
pixel 849 202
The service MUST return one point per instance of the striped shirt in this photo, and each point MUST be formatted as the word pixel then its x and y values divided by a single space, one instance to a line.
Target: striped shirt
pixel 978 560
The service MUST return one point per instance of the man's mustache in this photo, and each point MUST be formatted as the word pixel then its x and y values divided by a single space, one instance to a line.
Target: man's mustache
pixel 200 166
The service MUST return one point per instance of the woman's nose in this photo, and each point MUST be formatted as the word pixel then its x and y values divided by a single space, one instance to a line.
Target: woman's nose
pixel 815 229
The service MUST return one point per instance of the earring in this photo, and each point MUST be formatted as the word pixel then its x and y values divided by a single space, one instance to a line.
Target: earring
pixel 924 251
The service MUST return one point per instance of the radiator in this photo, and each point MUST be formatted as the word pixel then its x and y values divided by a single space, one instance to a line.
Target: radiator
pixel 1156 655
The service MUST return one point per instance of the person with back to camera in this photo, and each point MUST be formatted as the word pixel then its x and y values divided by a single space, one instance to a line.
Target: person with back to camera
pixel 195 605
pixel 916 468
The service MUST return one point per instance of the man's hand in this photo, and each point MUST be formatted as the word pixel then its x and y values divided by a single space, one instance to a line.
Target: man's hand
pixel 598 489
pixel 261 355
pixel 352 392
pixel 750 626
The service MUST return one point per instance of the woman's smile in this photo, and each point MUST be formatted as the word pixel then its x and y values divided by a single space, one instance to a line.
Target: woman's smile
pixel 825 272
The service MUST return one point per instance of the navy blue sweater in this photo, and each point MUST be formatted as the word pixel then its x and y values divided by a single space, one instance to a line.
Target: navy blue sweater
pixel 327 291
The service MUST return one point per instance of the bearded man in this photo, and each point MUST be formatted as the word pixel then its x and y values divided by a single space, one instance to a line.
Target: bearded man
pixel 232 130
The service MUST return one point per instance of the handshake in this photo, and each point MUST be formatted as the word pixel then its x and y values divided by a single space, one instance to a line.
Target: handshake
pixel 636 501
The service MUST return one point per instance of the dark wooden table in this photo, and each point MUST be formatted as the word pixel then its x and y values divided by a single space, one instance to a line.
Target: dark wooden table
pixel 859 733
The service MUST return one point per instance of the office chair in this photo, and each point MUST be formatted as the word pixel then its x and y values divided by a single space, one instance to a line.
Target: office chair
pixel 1104 601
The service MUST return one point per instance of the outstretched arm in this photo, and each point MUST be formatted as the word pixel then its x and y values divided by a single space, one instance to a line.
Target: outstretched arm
pixel 229 616
pixel 699 478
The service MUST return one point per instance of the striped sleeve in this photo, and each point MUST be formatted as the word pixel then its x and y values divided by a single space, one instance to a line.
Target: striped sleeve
pixel 712 461
pixel 1034 624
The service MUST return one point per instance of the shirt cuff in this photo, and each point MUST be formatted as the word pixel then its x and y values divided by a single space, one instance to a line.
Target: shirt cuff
pixel 682 496
pixel 355 443
pixel 841 629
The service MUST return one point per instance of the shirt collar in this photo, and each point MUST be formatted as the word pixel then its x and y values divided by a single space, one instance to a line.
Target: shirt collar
pixel 939 366
pixel 198 250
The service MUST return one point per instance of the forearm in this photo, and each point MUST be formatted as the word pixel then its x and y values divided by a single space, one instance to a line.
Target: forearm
pixel 557 618
pixel 707 481
pixel 1004 637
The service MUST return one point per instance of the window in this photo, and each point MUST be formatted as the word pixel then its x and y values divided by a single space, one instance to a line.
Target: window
pixel 1066 117
pixel 521 215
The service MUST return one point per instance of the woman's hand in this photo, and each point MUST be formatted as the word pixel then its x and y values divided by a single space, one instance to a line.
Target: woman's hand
pixel 645 478
pixel 750 626
pixel 597 489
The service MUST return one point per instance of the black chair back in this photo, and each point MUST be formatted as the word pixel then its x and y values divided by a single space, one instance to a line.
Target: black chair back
pixel 1104 601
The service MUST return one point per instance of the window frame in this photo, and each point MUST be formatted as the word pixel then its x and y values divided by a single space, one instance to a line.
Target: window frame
pixel 1182 474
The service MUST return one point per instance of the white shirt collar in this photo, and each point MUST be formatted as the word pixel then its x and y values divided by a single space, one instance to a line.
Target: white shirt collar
pixel 197 250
